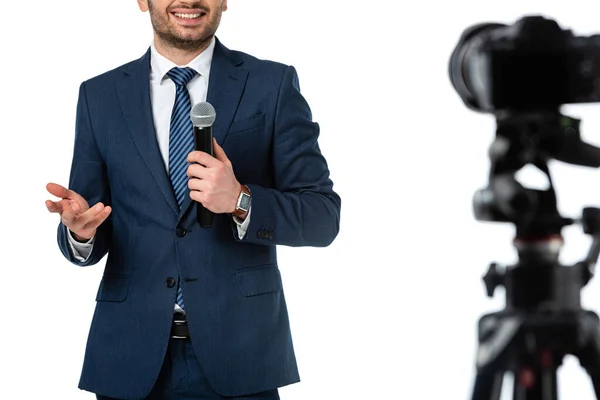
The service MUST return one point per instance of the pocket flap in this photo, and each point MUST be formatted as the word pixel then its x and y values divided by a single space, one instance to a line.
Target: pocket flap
pixel 260 280
pixel 113 288
pixel 247 124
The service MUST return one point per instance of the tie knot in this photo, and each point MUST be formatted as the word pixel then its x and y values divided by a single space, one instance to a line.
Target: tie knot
pixel 181 76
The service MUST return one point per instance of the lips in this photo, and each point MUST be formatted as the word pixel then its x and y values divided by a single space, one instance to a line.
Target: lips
pixel 188 15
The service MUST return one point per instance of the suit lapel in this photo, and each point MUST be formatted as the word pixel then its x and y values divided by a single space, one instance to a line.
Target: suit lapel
pixel 225 88
pixel 134 95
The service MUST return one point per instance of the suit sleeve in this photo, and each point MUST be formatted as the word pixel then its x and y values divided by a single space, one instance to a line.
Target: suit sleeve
pixel 88 178
pixel 301 209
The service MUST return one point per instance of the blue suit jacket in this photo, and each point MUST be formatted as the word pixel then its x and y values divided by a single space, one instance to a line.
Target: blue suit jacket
pixel 233 291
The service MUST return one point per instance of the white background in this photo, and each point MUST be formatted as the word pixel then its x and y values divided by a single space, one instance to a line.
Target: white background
pixel 387 311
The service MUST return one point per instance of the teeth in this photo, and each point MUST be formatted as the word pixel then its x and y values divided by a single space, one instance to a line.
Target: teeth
pixel 188 16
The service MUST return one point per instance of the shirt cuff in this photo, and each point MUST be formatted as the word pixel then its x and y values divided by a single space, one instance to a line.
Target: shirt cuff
pixel 81 251
pixel 242 225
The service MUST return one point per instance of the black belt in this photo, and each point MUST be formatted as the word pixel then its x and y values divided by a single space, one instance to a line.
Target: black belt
pixel 179 328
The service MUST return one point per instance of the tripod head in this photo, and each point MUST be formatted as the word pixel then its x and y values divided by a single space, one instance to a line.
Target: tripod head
pixel 535 138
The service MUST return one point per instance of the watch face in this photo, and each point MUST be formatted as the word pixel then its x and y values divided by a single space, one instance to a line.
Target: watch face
pixel 244 202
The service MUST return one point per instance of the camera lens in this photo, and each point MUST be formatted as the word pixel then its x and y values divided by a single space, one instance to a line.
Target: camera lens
pixel 466 70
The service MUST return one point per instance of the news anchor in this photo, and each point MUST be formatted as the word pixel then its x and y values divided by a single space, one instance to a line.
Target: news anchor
pixel 185 312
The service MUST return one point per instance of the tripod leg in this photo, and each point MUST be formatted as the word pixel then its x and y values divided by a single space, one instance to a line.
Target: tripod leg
pixel 488 385
pixel 499 335
pixel 536 384
pixel 589 352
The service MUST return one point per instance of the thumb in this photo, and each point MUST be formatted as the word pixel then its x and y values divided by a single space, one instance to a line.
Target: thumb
pixel 218 152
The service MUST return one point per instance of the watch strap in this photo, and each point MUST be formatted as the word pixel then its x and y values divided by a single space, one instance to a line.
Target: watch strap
pixel 238 210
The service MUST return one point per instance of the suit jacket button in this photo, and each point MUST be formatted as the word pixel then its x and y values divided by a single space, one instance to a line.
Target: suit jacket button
pixel 171 282
pixel 271 236
pixel 180 232
pixel 260 234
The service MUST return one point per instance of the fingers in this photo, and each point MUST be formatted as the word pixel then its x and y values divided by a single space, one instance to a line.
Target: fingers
pixel 61 191
pixel 74 211
pixel 88 220
pixel 58 190
pixel 197 196
pixel 203 158
pixel 200 185
pixel 54 206
pixel 207 160
pixel 95 222
pixel 198 171
pixel 61 206
pixel 76 208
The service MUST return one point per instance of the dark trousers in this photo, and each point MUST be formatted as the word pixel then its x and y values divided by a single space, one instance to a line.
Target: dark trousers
pixel 182 378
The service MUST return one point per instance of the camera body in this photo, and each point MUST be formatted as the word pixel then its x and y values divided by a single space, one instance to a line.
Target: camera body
pixel 528 66
pixel 523 73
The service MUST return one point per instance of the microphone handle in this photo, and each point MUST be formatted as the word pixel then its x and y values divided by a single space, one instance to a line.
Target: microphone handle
pixel 203 141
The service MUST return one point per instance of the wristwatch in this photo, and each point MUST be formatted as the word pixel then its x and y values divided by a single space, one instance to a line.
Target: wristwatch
pixel 243 202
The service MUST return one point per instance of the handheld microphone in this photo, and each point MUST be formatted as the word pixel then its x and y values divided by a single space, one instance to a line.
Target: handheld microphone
pixel 203 116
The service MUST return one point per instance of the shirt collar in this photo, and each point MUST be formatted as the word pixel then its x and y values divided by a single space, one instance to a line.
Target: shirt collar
pixel 160 65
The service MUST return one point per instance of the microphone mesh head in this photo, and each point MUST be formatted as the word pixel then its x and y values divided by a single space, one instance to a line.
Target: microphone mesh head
pixel 203 115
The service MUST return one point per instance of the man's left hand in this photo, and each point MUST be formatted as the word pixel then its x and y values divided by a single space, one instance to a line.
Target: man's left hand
pixel 212 181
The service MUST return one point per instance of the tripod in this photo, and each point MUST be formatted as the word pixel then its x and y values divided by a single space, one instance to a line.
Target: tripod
pixel 543 320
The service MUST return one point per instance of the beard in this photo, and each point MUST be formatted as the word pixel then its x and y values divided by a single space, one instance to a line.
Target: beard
pixel 167 31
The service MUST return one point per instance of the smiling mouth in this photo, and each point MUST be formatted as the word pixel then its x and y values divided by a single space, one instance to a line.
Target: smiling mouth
pixel 189 15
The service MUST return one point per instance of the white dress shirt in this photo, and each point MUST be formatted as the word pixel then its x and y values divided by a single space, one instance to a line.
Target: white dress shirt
pixel 162 95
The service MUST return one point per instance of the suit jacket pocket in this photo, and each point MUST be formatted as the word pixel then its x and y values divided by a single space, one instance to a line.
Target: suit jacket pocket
pixel 259 280
pixel 247 124
pixel 113 288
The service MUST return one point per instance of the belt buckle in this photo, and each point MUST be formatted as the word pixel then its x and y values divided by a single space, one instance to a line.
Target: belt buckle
pixel 179 323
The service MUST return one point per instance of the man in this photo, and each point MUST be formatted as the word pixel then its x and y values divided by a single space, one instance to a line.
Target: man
pixel 185 312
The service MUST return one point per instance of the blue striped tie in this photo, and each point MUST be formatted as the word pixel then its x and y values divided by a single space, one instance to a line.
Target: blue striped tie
pixel 181 140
